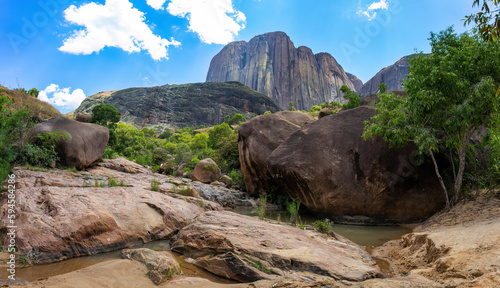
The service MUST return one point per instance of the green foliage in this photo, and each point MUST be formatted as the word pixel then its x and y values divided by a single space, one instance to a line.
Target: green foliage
pixel 237 177
pixel 182 190
pixel 261 207
pixel 487 21
pixel 353 98
pixel 227 156
pixel 267 112
pixel 112 182
pixel 104 114
pixel 315 108
pixel 258 264
pixel 382 87
pixel 236 120
pixel 99 184
pixel 148 132
pixel 323 226
pixel 451 93
pixel 217 134
pixel 155 185
pixel 293 208
pixel 15 129
pixel 34 92
pixel 291 106
pixel 43 152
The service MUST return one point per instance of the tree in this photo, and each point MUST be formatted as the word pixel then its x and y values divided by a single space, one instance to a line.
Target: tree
pixel 353 98
pixel 34 92
pixel 487 21
pixel 105 113
pixel 451 93
pixel 291 106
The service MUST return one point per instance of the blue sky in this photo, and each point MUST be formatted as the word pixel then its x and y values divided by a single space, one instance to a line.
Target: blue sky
pixel 74 49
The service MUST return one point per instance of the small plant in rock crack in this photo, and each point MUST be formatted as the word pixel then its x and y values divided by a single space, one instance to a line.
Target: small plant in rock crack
pixel 261 208
pixel 155 185
pixel 323 226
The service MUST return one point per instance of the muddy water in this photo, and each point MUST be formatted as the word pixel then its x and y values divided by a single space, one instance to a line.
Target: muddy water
pixel 32 273
pixel 369 236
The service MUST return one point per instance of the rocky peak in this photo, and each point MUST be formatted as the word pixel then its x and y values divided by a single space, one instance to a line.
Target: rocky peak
pixel 358 84
pixel 392 76
pixel 270 64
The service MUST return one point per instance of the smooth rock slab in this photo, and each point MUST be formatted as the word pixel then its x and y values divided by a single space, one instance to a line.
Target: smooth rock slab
pixel 57 223
pixel 232 246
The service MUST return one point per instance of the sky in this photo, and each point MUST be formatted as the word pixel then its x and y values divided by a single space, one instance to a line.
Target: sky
pixel 70 49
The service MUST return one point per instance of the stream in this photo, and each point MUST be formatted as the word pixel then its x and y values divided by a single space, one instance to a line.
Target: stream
pixel 368 236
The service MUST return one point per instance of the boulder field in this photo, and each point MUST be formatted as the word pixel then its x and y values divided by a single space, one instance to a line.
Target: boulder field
pixel 328 166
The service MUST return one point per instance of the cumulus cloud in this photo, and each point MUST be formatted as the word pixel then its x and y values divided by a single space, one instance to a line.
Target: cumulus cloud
pixel 156 4
pixel 114 24
pixel 381 5
pixel 62 97
pixel 215 21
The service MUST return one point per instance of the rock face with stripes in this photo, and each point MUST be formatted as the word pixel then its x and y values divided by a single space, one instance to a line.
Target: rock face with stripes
pixel 392 76
pixel 271 64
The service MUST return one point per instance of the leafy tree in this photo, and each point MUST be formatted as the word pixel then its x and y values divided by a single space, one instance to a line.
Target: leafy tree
pixel 237 119
pixel 216 134
pixel 199 142
pixel 34 92
pixel 353 98
pixel 105 114
pixel 291 105
pixel 451 93
pixel 487 21
pixel 315 108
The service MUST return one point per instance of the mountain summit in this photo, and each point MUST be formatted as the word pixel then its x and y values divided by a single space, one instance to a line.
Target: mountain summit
pixel 271 64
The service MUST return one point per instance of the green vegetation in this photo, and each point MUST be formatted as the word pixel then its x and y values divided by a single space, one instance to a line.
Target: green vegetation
pixel 112 182
pixel 451 94
pixel 323 226
pixel 258 264
pixel 261 207
pixel 353 98
pixel 487 21
pixel 291 106
pixel 155 185
pixel 182 189
pixel 42 153
pixel 293 207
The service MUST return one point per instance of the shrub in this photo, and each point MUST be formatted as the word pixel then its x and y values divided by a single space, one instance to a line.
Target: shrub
pixel 323 226
pixel 261 208
pixel 293 208
pixel 155 185
pixel 237 177
pixel 113 183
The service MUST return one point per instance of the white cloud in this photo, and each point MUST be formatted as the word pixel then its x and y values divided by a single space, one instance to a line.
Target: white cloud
pixel 215 21
pixel 381 5
pixel 156 4
pixel 114 24
pixel 62 97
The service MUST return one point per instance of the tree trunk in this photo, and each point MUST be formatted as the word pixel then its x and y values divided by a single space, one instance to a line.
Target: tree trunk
pixel 440 180
pixel 461 167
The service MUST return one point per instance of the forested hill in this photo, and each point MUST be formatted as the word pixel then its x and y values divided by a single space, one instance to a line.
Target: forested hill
pixel 187 105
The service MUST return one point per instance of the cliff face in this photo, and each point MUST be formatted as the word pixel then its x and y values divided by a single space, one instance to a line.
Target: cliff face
pixel 358 84
pixel 271 64
pixel 392 76
pixel 182 105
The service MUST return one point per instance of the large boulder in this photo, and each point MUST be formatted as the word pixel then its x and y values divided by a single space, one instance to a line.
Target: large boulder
pixel 247 249
pixel 333 171
pixel 161 265
pixel 206 171
pixel 86 145
pixel 258 137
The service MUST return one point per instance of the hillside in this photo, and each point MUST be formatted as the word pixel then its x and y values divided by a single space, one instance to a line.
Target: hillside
pixel 182 105
pixel 271 64
pixel 391 75
pixel 38 108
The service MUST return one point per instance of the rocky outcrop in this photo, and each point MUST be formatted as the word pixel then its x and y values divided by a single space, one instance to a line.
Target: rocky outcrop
pixel 271 64
pixel 392 76
pixel 64 215
pixel 206 171
pixel 330 168
pixel 161 265
pixel 257 138
pixel 358 84
pixel 82 117
pixel 247 249
pixel 459 248
pixel 86 144
pixel 187 105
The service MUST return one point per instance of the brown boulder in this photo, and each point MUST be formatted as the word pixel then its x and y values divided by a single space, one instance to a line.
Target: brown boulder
pixel 86 145
pixel 206 171
pixel 257 139
pixel 247 249
pixel 333 171
pixel 82 117
pixel 324 112
pixel 161 265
